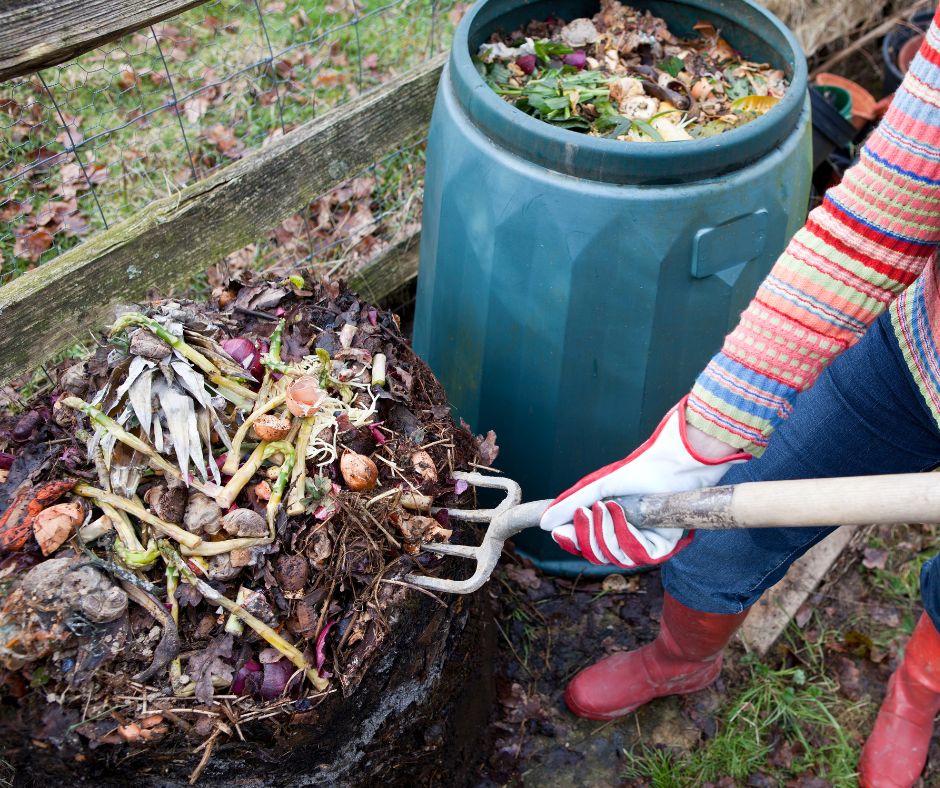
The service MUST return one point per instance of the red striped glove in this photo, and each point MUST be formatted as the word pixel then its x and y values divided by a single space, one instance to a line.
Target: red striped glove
pixel 582 522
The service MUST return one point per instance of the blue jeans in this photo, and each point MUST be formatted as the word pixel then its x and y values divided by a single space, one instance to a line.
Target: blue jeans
pixel 864 415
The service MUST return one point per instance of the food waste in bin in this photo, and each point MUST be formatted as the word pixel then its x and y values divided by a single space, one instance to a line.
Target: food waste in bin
pixel 622 74
pixel 218 503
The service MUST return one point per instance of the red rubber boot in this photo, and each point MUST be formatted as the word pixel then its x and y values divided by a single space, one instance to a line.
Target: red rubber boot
pixel 895 753
pixel 685 657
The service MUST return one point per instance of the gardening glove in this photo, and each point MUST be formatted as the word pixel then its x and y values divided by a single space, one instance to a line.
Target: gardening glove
pixel 582 522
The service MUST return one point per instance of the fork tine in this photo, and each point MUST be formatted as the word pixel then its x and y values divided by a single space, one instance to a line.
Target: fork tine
pixel 487 554
pixel 438 584
pixel 513 496
pixel 451 549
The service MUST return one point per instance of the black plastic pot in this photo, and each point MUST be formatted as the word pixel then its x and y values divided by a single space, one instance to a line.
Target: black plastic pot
pixel 830 130
pixel 891 46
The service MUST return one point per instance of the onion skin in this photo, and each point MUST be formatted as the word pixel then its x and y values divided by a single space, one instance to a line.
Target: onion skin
pixel 26 425
pixel 527 63
pixel 55 524
pixel 377 433
pixel 246 353
pixel 304 396
pixel 359 472
pixel 578 59
pixel 250 666
pixel 321 649
pixel 276 676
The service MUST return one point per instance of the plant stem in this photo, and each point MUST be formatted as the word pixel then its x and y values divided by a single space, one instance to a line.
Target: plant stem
pixel 272 359
pixel 122 525
pixel 277 491
pixel 188 352
pixel 234 456
pixel 209 549
pixel 273 638
pixel 172 583
pixel 299 475
pixel 167 529
pixel 227 495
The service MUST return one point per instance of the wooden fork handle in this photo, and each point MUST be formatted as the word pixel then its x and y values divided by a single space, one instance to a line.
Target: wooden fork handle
pixel 852 500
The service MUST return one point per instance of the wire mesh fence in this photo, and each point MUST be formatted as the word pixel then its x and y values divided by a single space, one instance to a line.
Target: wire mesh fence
pixel 88 143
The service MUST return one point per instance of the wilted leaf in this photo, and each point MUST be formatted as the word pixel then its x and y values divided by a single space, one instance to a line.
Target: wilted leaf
pixel 12 210
pixel 524 576
pixel 195 107
pixel 887 615
pixel 210 663
pixel 225 140
pixel 849 678
pixel 176 408
pixel 139 395
pixel 874 558
pixel 487 448
pixel 32 244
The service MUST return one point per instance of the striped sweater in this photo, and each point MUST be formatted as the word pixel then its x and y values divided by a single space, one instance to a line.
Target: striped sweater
pixel 870 246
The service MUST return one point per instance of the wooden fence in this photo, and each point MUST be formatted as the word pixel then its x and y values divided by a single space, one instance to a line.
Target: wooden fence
pixel 51 307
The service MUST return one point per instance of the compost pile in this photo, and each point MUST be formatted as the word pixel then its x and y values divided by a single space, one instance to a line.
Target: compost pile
pixel 625 76
pixel 217 511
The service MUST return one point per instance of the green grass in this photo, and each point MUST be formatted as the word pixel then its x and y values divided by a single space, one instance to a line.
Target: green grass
pixel 799 706
pixel 332 51
pixel 898 583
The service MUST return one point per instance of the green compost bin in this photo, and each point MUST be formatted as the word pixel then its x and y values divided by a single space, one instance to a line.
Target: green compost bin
pixel 572 287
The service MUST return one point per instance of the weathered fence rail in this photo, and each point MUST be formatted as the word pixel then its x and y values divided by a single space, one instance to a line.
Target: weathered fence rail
pixel 51 307
pixel 39 33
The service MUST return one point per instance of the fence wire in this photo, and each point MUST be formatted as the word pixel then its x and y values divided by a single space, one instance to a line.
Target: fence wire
pixel 88 143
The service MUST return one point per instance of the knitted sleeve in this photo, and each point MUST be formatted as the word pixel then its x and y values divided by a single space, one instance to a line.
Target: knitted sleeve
pixel 867 242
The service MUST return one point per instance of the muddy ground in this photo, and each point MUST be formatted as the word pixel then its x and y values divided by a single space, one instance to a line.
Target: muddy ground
pixel 847 637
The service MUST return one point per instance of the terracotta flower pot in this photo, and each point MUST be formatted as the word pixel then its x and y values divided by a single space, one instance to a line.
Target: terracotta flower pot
pixel 882 106
pixel 863 102
pixel 909 51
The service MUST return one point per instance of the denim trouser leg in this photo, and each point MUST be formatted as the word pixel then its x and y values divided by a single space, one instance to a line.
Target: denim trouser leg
pixel 864 415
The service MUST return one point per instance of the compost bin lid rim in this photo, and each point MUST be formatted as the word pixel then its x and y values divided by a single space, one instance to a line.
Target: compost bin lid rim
pixel 599 158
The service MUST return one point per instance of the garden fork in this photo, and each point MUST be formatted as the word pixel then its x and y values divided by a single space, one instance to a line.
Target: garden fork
pixel 505 521
pixel 894 499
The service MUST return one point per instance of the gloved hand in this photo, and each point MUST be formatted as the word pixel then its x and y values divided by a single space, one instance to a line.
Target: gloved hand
pixel 583 523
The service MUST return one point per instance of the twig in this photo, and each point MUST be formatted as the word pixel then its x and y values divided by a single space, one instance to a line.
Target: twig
pixel 255 313
pixel 484 467
pixel 206 755
pixel 377 524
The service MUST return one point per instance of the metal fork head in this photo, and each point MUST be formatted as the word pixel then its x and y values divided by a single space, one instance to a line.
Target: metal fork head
pixel 487 554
